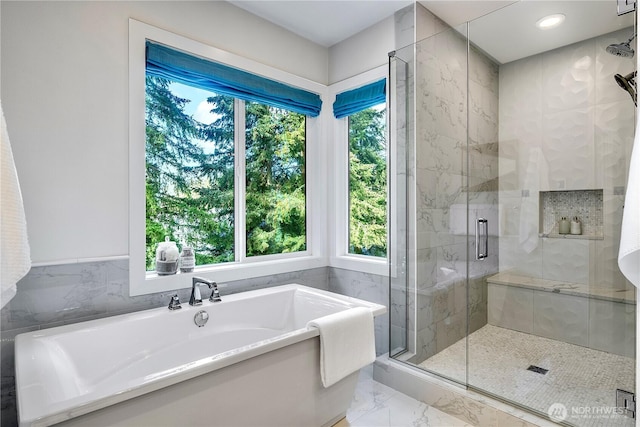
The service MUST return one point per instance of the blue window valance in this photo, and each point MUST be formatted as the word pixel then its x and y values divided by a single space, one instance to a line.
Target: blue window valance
pixel 205 74
pixel 355 100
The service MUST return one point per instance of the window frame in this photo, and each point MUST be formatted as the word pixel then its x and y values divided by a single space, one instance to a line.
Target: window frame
pixel 142 282
pixel 339 248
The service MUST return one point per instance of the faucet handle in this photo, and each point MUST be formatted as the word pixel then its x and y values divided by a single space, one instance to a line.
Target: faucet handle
pixel 215 294
pixel 174 304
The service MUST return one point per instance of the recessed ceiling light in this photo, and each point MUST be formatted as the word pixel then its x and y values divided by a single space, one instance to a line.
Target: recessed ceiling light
pixel 550 21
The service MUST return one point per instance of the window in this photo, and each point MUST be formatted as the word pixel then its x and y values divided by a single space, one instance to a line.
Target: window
pixel 368 182
pixel 275 180
pixel 362 146
pixel 190 150
pixel 189 170
pixel 219 161
pixel 243 175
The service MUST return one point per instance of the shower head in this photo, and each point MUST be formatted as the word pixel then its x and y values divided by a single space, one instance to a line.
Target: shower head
pixel 622 49
pixel 627 83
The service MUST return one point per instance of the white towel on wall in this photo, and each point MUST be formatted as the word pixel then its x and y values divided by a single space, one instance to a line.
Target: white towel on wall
pixel 15 254
pixel 347 343
pixel 629 253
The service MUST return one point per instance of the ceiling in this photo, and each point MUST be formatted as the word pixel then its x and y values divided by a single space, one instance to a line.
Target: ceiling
pixel 325 22
pixel 507 34
pixel 510 33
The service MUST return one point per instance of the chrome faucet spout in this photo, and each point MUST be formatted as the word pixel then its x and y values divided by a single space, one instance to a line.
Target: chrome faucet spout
pixel 196 296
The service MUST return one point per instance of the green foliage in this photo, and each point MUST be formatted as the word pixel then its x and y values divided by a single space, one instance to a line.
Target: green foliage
pixel 368 183
pixel 190 177
pixel 275 179
pixel 189 192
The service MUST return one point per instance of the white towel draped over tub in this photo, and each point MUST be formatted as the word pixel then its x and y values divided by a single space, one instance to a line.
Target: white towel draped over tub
pixel 347 343
pixel 629 254
pixel 15 255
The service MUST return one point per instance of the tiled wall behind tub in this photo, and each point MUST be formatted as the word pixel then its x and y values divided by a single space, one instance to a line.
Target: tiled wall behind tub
pixel 56 295
pixel 369 287
pixel 60 294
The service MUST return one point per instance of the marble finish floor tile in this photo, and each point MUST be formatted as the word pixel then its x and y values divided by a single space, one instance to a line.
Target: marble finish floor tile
pixel 376 405
pixel 581 379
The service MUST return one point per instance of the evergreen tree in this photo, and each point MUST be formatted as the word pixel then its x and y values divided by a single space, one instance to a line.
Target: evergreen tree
pixel 275 180
pixel 368 183
pixel 190 178
pixel 189 192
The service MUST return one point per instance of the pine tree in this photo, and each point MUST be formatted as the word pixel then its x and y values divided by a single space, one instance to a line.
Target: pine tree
pixel 275 180
pixel 189 192
pixel 190 177
pixel 367 183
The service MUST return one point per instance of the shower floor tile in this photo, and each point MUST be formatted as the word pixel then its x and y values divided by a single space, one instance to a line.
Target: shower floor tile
pixel 581 379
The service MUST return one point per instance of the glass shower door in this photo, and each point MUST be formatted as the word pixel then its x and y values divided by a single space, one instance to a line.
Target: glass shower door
pixel 401 119
pixel 559 337
pixel 432 95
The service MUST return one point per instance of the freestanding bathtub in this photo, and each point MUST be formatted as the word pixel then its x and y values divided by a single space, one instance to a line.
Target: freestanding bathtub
pixel 254 363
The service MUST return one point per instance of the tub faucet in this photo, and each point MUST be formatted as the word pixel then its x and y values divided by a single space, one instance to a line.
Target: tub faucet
pixel 174 304
pixel 196 296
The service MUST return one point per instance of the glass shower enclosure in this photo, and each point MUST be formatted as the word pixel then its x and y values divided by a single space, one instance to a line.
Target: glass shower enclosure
pixel 510 157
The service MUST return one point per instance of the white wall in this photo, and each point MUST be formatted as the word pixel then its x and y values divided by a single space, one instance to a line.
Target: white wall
pixel 363 51
pixel 64 85
pixel 370 48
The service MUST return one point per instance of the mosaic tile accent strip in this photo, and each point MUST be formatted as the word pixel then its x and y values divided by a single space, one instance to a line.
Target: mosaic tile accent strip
pixel 587 205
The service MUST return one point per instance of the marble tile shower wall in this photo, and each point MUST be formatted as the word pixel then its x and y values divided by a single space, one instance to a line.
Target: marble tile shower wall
pixel 62 294
pixel 412 23
pixel 457 169
pixel 564 125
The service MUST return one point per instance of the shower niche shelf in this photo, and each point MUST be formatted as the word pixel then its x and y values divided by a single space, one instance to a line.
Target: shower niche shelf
pixel 585 204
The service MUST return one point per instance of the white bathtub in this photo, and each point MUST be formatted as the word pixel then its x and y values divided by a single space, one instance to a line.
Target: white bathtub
pixel 254 363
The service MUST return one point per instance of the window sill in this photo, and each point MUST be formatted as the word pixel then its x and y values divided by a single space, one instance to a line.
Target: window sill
pixel 363 264
pixel 153 283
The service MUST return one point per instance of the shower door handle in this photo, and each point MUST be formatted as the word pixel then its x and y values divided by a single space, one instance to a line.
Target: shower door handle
pixel 482 238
